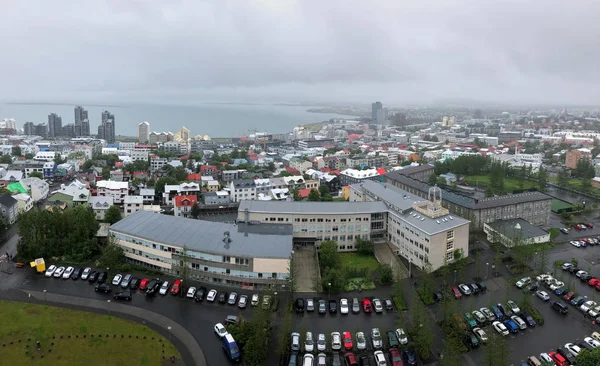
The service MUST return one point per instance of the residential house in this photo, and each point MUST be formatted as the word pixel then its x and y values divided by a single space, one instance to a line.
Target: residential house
pixel 49 169
pixel 148 195
pixel 195 178
pixel 331 162
pixel 209 170
pixel 37 188
pixel 352 176
pixel 11 176
pixel 182 189
pixel 300 164
pixel 133 204
pixel 116 175
pixel 216 198
pixel 294 182
pixel 81 198
pixel 33 166
pixel 242 189
pixel 9 207
pixel 88 175
pixel 231 175
pixel 184 204
pixel 24 202
pixel 117 190
pixel 212 186
pixel 140 175
pixel 100 205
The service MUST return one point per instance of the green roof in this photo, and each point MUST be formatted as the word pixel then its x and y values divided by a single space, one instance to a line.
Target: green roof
pixel 16 187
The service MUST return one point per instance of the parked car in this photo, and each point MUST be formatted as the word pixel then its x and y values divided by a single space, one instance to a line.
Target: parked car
pixel 347 339
pixel 479 317
pixel 255 300
pixel 500 328
pixel 470 320
pixel 474 288
pixel 322 307
pixel 395 357
pixel 388 304
pixel 164 288
pixel 176 287
pixel 321 342
pixel 409 357
pixel 376 338
pixel 392 339
pixel 401 335
pixel 513 307
pixel 366 303
pixel 456 292
pixel 310 305
pixel 543 295
pixel 144 284
pixel 497 312
pixel 569 296
pixel 332 307
pixel 355 306
pixel 295 346
pixel 117 279
pixel 212 295
pixel 361 341
pixel 153 287
pixel 123 295
pixel 200 293
pixel 336 341
pixel 309 344
pixel 76 273
pixel 527 318
pixel 243 302
pixel 59 272
pixel 577 301
pixel 86 273
pixel 519 322
pixel 222 297
pixel 523 282
pixel 573 348
pixel 102 276
pixel 480 334
pixel 379 358
pixel 135 283
pixel 488 314
pixel 232 299
pixel 464 289
pixel 191 292
pixel 592 342
pixel 126 281
pixel 377 305
pixel 93 277
pixel 299 305
pixel 102 287
pixel 587 306
pixel 559 306
pixel 343 306
pixel 512 327
pixel 68 272
pixel 566 354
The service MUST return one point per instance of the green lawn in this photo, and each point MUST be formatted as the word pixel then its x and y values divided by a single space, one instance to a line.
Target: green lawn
pixel 80 338
pixel 510 183
pixel 355 260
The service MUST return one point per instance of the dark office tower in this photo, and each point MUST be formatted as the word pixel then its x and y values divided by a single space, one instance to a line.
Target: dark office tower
pixel 108 127
pixel 85 126
pixel 41 130
pixel 29 129
pixel 374 108
pixel 54 125
pixel 477 114
pixel 80 115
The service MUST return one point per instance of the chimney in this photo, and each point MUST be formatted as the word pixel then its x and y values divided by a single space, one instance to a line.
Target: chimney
pixel 246 215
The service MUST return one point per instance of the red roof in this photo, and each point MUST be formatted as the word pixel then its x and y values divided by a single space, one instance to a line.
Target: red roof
pixel 354 136
pixel 303 193
pixel 193 177
pixel 292 171
pixel 203 168
pixel 137 174
pixel 119 163
pixel 381 171
pixel 188 200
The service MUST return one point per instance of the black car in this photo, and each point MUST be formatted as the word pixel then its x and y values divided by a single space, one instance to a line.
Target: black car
pixel 474 288
pixel 388 304
pixel 482 286
pixel 471 340
pixel 76 273
pixel 507 313
pixel 93 277
pixel 333 306
pixel 102 287
pixel 573 270
pixel 299 305
pixel 560 307
pixel 438 296
pixel 527 318
pixel 533 287
pixel 566 354
pixel 584 345
pixel 123 295
pixel 585 277
pixel 293 361
pixel 409 357
pixel 322 307
pixel 135 283
pixel 153 287
pixel 102 277
pixel 200 293
pixel 222 297
pixel 364 361
pixel 336 359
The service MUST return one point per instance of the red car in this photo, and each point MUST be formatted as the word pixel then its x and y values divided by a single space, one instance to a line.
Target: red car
pixel 176 287
pixel 456 292
pixel 558 359
pixel 577 227
pixel 144 284
pixel 597 286
pixel 350 359
pixel 367 308
pixel 593 281
pixel 395 357
pixel 569 296
pixel 347 337
pixel 590 225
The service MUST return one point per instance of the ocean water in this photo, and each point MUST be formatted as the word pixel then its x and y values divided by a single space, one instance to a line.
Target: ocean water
pixel 215 120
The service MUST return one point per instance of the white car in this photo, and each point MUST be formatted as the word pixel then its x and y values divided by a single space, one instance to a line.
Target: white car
pixel 164 288
pixel 401 334
pixel 295 342
pixel 379 358
pixel 308 359
pixel 336 341
pixel 523 282
pixel 68 273
pixel 580 273
pixel 513 307
pixel 376 338
pixel 573 348
pixel 243 302
pixel 556 285
pixel 594 312
pixel 596 336
pixel 519 322
pixel 50 271
pixel 254 300
pixel 564 230
pixel 464 289
pixel 544 357
pixel 478 315
pixel 321 342
pixel 86 273
pixel 566 266
pixel 480 334
pixel 542 295
pixel 220 330
pixel 377 305
pixel 321 359
pixel 592 342
pixel 309 344
pixel 575 243
pixel 587 306
pixel 500 328
pixel 191 292
pixel 361 341
pixel 212 295
pixel 117 279
pixel 543 277
pixel 59 272
pixel 343 306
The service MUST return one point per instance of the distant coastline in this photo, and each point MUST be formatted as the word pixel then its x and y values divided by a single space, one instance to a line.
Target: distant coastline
pixel 344 111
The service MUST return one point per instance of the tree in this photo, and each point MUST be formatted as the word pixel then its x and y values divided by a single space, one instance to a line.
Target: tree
pixel 16 150
pixel 563 178
pixel 113 214
pixel 29 156
pixel 452 355
pixel 386 274
pixel 183 267
pixel 271 167
pixel 162 181
pixel 314 195
pixel 363 246
pixel 441 181
pixel 588 358
pixel 195 211
pixel 324 189
pixel 5 159
pixel 432 179
pixel 106 173
pixel 420 329
pixel 58 159
pixel 112 255
pixel 36 175
pixel 542 178
pixel 489 192
pixel 329 255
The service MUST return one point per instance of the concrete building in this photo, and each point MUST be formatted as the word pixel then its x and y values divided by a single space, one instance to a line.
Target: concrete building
pixel 242 189
pixel 252 256
pixel 99 205
pixel 216 198
pixel 148 195
pixel 513 232
pixel 534 207
pixel 184 204
pixel 420 173
pixel 38 188
pixel 144 132
pixel 375 107
pixel 351 176
pixel 54 125
pixel 9 208
pixel 373 161
pixel 132 204
pixel 117 190
pixel 24 202
pixel 183 189
pixel 573 156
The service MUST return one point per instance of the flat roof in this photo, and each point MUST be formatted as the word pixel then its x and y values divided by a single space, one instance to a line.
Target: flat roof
pixel 524 230
pixel 246 240
pixel 305 207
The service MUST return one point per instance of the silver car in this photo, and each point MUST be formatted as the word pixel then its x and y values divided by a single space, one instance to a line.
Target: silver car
pixel 361 341
pixel 243 302
pixel 376 338
pixel 164 288
pixel 310 305
pixel 355 306
pixel 321 342
pixel 309 344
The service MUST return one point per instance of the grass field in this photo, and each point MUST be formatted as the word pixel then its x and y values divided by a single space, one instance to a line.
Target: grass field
pixel 356 260
pixel 70 337
pixel 510 184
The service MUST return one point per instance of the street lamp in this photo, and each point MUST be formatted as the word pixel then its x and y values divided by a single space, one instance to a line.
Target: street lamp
pixel 46 301
pixel 108 306
pixel 487 269
pixel 455 277
pixel 329 289
pixel 169 329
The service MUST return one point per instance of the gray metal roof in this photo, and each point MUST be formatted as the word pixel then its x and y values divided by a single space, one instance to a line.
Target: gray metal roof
pixel 387 192
pixel 243 183
pixel 306 207
pixel 247 240
pixel 414 169
pixel 433 226
pixel 508 229
pixel 7 201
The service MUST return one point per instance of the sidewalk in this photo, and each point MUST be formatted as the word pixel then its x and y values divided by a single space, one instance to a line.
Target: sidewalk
pixel 187 345
pixel 385 255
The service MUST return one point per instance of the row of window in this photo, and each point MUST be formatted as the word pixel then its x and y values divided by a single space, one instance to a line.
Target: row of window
pixel 334 228
pixel 297 219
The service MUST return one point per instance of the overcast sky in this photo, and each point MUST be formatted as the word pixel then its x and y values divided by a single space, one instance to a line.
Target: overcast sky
pixel 397 51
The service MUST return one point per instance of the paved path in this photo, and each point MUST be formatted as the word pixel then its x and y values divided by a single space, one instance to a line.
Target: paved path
pixel 191 352
pixel 305 268
pixel 385 255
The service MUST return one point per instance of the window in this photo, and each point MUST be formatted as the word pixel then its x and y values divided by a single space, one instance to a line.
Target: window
pixel 319 220
pixel 260 275
pixel 450 234
pixel 450 256
pixel 226 259
pixel 304 220
pixel 274 275
pixel 450 245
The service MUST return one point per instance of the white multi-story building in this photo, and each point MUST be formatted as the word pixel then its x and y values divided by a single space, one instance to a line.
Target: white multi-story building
pixel 132 204
pixel 183 189
pixel 45 156
pixel 100 205
pixel 24 202
pixel 139 155
pixel 144 132
pixel 117 190
pixel 242 189
pixel 156 164
pixel 147 195
pixel 38 188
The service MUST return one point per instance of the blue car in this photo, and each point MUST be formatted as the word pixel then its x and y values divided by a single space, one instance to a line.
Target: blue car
pixel 497 312
pixel 560 292
pixel 512 327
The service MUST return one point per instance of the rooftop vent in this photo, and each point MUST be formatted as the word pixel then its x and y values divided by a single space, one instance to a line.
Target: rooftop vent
pixel 450 217
pixel 422 219
pixel 438 221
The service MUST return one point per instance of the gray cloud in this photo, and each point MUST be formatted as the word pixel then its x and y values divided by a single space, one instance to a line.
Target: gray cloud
pixel 527 51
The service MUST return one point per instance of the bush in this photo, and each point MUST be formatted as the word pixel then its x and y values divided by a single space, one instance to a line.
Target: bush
pixel 399 303
pixel 535 314
pixel 427 298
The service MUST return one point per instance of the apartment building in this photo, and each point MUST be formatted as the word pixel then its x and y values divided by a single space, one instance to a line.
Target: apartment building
pixel 216 198
pixel 147 195
pixel 183 189
pixel 242 189
pixel 132 204
pixel 352 176
pixel 376 161
pixel 100 205
pixel 573 156
pixel 117 190
pixel 251 256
